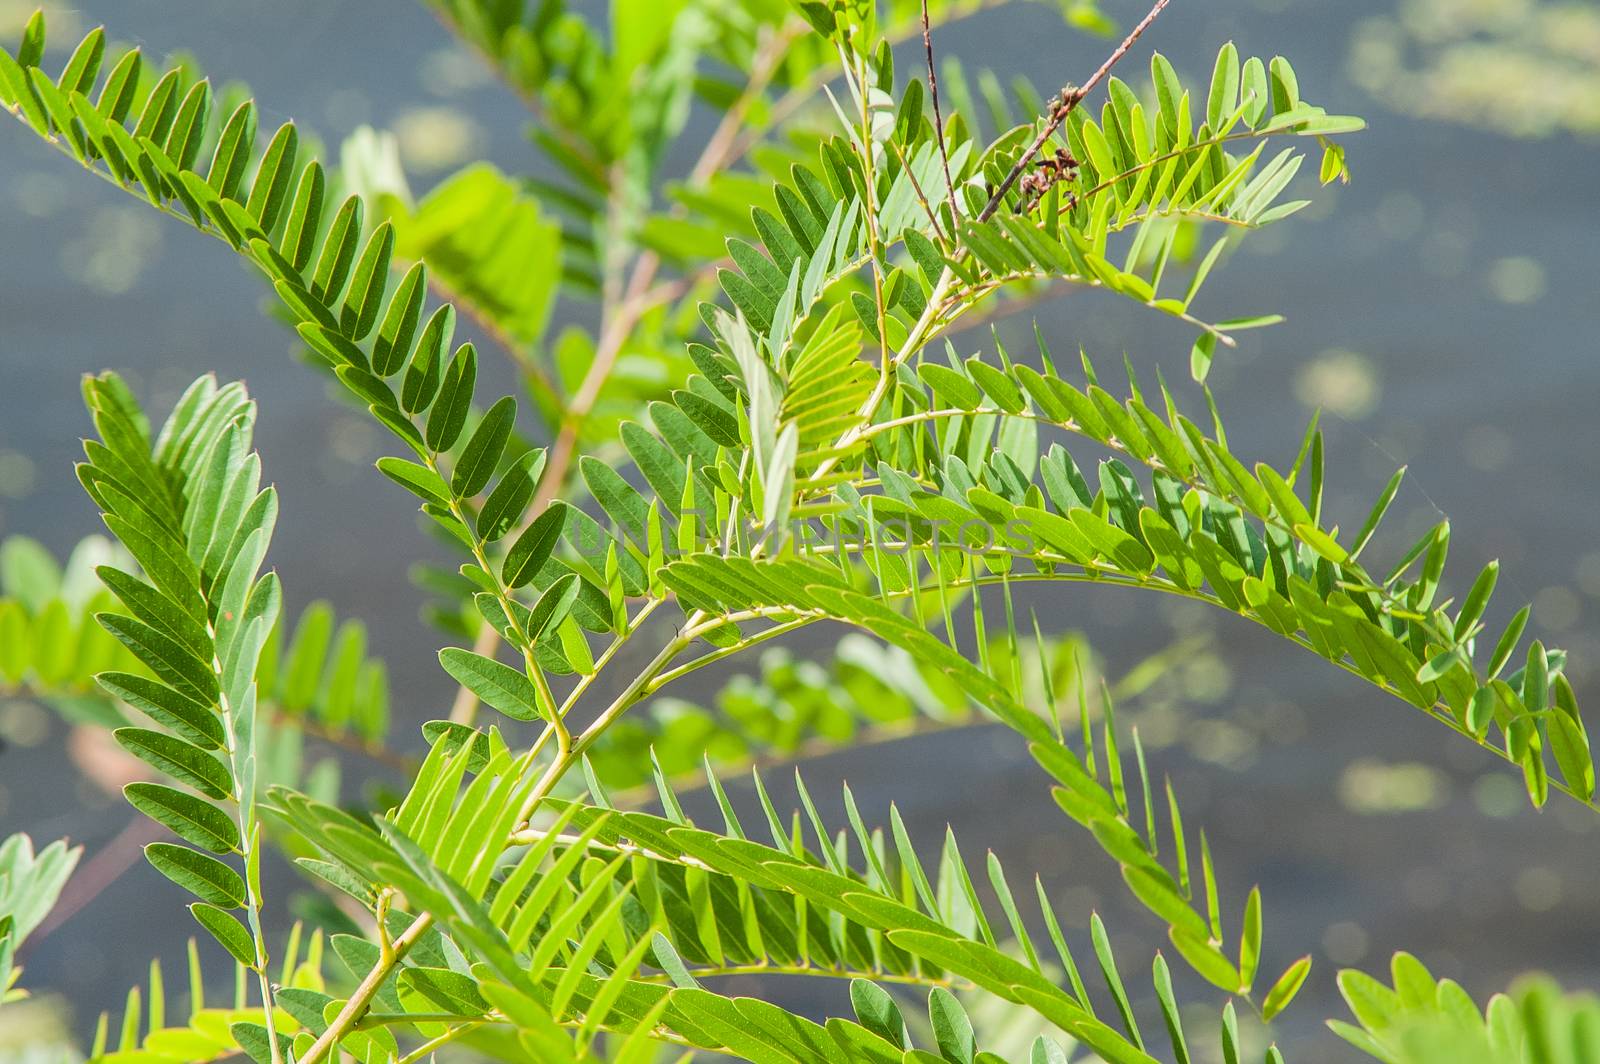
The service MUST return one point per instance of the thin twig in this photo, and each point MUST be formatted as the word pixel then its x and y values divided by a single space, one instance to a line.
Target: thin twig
pixel 724 139
pixel 938 117
pixel 916 186
pixel 344 740
pixel 1069 99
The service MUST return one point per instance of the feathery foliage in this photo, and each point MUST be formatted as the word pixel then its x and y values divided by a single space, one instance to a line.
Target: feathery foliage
pixel 771 427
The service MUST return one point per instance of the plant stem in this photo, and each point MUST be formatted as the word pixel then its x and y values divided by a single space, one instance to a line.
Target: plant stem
pixel 433 1044
pixel 355 1008
pixel 881 390
pixel 686 668
pixel 610 652
pixel 568 751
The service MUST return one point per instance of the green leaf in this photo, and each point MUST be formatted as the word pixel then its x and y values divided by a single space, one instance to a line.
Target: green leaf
pixel 195 721
pixel 449 413
pixel 205 877
pixel 490 243
pixel 189 127
pixel 417 479
pixel 338 252
pixel 1250 940
pixel 533 548
pixel 1285 87
pixel 498 685
pixel 1508 641
pixel 929 259
pixel 421 382
pixel 252 1038
pixel 1477 599
pixel 79 73
pixel 1570 742
pixel 1254 96
pixel 157 610
pixel 270 188
pixel 399 327
pixel 502 510
pixel 1162 977
pixel 232 154
pixel 190 818
pixel 1284 990
pixel 553 606
pixel 481 456
pixel 336 349
pixel 1205 959
pixel 1322 543
pixel 182 761
pixel 305 210
pixel 1224 94
pixel 952 1029
pixel 1201 354
pixel 876 1011
pixel 361 305
pixel 954 387
pixel 226 929
pixel 170 660
pixel 619 499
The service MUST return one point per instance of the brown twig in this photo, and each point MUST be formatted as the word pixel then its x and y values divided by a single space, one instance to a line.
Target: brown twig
pixel 922 197
pixel 938 117
pixel 1069 99
pixel 356 1007
pixel 345 741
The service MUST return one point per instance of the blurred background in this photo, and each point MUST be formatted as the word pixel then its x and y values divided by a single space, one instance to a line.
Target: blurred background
pixel 1442 309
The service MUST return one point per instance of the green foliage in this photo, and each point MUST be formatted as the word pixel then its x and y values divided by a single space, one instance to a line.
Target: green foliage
pixel 29 884
pixel 762 433
pixel 153 1030
pixel 1419 1018
pixel 188 505
pixel 317 681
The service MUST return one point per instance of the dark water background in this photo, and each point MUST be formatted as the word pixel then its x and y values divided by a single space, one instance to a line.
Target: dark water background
pixel 1478 373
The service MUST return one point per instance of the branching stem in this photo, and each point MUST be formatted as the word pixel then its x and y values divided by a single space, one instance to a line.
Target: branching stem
pixel 356 1007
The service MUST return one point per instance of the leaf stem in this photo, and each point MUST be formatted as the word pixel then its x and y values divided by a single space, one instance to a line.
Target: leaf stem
pixel 428 1047
pixel 720 653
